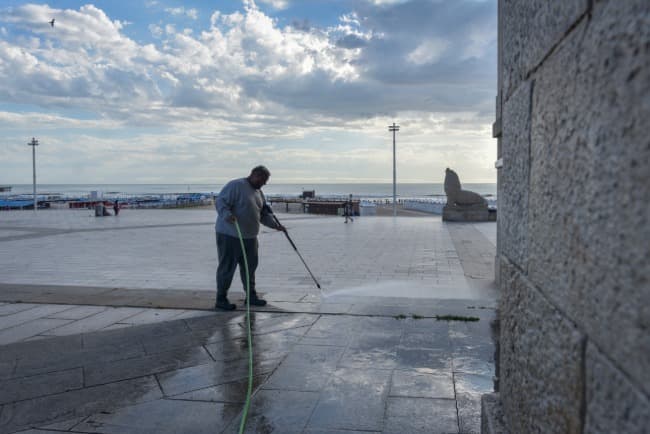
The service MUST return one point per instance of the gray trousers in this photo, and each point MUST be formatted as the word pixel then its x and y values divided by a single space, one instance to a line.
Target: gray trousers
pixel 230 255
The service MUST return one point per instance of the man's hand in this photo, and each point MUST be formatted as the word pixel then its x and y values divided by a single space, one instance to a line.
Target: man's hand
pixel 232 219
pixel 281 228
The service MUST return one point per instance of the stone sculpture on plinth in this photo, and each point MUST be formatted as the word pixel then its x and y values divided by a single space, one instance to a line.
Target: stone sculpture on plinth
pixel 463 205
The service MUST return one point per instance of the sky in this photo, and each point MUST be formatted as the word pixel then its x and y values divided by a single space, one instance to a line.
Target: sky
pixel 165 91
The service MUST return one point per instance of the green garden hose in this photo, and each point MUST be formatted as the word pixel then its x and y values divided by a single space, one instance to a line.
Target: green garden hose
pixel 249 391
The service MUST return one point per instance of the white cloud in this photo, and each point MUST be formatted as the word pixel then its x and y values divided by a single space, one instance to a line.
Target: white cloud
pixel 276 4
pixel 191 13
pixel 387 2
pixel 428 51
pixel 351 18
pixel 226 89
pixel 155 30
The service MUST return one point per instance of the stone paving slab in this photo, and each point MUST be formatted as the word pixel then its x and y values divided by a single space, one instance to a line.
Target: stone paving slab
pixel 28 315
pixel 353 399
pixel 412 415
pixel 336 396
pixel 30 321
pixel 419 249
pixel 69 404
pixel 163 416
pixel 370 355
pixel 31 329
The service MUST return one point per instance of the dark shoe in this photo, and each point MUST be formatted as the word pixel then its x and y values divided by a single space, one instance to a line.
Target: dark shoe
pixel 224 304
pixel 256 301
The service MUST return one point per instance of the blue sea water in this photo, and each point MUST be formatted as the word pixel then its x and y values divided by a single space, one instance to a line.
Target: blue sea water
pixel 361 191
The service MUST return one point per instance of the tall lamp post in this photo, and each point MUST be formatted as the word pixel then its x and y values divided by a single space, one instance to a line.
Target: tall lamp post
pixel 34 144
pixel 394 128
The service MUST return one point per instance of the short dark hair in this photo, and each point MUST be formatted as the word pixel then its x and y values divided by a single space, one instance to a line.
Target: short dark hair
pixel 261 170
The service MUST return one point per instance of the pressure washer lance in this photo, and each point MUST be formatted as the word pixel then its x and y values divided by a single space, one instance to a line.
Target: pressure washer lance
pixel 270 211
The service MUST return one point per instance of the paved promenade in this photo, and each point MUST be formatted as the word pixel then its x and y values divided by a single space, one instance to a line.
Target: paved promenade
pixel 113 331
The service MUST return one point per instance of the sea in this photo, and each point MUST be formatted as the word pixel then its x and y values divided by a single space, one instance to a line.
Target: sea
pixel 358 190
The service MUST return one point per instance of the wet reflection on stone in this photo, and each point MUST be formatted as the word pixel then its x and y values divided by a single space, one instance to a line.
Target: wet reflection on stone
pixel 408 358
pixel 162 417
pixel 373 340
pixel 354 399
pixel 431 340
pixel 469 388
pixel 278 411
pixel 473 365
pixel 306 368
pixel 377 358
pixel 312 373
pixel 412 415
pixel 233 392
pixel 422 385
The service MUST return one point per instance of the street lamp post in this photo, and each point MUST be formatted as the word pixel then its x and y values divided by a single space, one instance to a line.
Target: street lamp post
pixel 34 144
pixel 394 128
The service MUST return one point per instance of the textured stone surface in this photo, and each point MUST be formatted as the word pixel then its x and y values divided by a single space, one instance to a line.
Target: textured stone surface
pixel 306 368
pixel 469 388
pixel 18 389
pixel 280 411
pixel 590 183
pixel 512 219
pixel 613 403
pixel 75 403
pixel 104 372
pixel 531 28
pixel 161 416
pixel 431 416
pixel 354 399
pixel 615 286
pixel 492 415
pixel 541 360
pixel 415 384
pixel 558 170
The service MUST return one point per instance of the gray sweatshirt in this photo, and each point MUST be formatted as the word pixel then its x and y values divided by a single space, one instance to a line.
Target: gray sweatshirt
pixel 240 199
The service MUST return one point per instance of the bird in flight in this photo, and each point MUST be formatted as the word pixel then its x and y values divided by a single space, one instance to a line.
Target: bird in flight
pixel 51 22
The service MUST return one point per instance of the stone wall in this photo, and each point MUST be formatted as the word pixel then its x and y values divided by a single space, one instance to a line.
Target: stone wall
pixel 573 123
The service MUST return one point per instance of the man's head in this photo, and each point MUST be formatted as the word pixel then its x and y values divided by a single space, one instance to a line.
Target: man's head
pixel 259 176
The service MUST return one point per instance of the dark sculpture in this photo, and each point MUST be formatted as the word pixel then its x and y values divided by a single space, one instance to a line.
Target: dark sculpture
pixel 462 205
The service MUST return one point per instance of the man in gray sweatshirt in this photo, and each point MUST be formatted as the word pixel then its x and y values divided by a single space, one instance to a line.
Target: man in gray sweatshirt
pixel 241 200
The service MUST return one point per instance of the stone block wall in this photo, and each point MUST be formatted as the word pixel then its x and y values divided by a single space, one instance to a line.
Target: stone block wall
pixel 573 116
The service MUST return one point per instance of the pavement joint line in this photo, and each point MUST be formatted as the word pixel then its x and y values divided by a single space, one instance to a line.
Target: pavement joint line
pixel 291 312
pixel 453 381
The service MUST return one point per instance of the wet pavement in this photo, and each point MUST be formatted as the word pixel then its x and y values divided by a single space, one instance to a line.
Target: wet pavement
pixel 403 358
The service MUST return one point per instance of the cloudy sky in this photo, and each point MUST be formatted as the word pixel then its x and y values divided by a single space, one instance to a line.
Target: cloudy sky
pixel 198 92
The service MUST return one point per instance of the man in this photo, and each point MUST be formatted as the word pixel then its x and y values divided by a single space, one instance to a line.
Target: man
pixel 241 201
pixel 348 210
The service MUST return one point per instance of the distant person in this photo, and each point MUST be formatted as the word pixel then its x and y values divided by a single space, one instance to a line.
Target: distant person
pixel 348 210
pixel 241 200
pixel 116 207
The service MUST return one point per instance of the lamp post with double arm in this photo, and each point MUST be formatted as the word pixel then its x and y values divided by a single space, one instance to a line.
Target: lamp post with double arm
pixel 34 144
pixel 394 128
